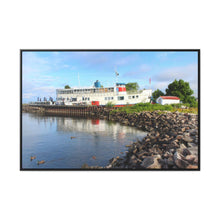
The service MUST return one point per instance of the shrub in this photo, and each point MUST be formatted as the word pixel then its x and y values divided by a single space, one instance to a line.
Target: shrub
pixel 140 107
pixel 109 104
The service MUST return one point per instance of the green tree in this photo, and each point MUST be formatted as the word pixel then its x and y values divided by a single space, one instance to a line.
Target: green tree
pixel 157 93
pixel 132 87
pixel 66 87
pixel 192 101
pixel 182 90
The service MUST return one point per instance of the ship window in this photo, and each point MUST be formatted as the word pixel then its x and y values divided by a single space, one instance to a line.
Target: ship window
pixel 83 98
pixel 112 98
pixel 133 97
pixel 88 99
pixel 74 99
pixel 120 97
pixel 129 97
pixel 137 96
pixel 106 98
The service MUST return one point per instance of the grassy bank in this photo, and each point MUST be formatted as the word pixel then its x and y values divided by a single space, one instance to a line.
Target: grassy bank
pixel 157 107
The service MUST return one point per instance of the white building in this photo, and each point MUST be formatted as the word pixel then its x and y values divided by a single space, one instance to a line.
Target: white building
pixel 97 95
pixel 166 100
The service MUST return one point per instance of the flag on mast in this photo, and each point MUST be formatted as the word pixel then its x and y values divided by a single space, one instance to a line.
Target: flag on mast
pixel 150 81
pixel 116 73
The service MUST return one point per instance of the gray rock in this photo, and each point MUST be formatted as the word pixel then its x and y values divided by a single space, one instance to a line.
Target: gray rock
pixel 187 139
pixel 170 162
pixel 180 160
pixel 186 152
pixel 192 145
pixel 151 162
pixel 133 157
pixel 181 148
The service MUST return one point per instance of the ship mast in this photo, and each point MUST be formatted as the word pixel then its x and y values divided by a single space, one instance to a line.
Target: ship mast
pixel 116 77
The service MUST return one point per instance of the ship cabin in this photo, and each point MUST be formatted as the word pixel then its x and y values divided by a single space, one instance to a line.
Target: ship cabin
pixel 98 95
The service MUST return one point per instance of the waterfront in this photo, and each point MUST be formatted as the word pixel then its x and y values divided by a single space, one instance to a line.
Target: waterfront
pixel 94 141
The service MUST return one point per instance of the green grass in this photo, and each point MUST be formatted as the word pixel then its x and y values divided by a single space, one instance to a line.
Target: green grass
pixel 155 107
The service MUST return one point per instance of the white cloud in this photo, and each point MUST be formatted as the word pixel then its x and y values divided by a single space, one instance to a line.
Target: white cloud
pixel 183 72
pixel 160 85
pixel 27 95
pixel 188 73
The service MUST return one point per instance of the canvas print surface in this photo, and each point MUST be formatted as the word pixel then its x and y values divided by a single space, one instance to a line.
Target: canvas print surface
pixel 110 110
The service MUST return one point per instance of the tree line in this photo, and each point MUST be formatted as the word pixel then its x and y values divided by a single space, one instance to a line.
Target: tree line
pixel 180 89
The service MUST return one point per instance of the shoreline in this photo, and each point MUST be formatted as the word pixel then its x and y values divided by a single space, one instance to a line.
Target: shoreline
pixel 171 143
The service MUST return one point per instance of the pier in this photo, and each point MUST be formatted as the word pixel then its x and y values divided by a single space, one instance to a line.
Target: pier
pixel 86 111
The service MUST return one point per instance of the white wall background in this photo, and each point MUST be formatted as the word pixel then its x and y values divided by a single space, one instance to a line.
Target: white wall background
pixel 113 24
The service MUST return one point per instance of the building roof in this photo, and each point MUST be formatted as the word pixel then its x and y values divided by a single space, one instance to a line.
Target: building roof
pixel 170 97
pixel 118 84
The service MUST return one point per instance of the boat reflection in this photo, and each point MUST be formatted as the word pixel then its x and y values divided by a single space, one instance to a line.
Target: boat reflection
pixel 95 127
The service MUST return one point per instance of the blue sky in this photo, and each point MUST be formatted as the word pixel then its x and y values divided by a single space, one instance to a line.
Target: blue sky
pixel 44 72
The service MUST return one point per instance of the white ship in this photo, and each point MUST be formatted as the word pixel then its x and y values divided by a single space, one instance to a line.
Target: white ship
pixel 97 95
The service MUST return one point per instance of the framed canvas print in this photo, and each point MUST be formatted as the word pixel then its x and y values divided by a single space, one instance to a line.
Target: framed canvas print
pixel 110 110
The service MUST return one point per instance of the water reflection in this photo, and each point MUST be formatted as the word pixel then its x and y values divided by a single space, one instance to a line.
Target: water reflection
pixel 48 137
pixel 95 127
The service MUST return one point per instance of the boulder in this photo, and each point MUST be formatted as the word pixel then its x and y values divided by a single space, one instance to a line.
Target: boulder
pixel 196 160
pixel 170 162
pixel 181 148
pixel 179 137
pixel 151 162
pixel 187 139
pixel 180 160
pixel 190 158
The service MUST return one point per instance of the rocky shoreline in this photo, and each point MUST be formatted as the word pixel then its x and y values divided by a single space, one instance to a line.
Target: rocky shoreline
pixel 171 143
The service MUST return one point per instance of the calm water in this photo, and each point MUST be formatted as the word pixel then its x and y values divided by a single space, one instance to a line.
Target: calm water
pixel 48 138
